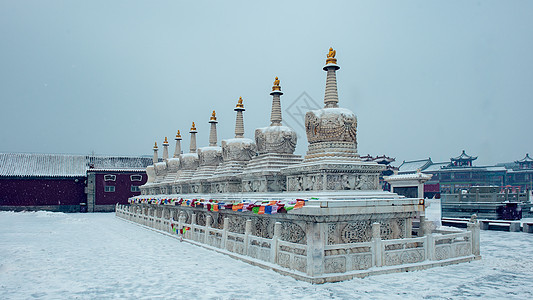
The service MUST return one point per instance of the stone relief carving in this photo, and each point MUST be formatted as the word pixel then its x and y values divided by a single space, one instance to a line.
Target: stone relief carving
pixel 392 229
pixel 332 228
pixel 210 157
pixel 238 150
pixel 404 257
pixel 189 161
pixel 295 183
pixel 200 218
pixel 284 259
pixel 261 227
pixel 300 264
pixel 291 232
pixel 362 261
pixel 356 232
pixel 237 224
pixel 275 139
pixel 330 125
pixel 335 265
pixel 161 169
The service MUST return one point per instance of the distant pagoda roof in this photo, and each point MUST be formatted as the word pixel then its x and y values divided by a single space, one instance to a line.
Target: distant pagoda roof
pixel 526 159
pixel 463 156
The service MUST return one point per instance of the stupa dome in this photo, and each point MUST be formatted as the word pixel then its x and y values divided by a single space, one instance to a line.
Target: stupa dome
pixel 275 139
pixel 332 124
pixel 332 130
pixel 150 172
pixel 160 168
pixel 189 161
pixel 173 164
pixel 238 149
pixel 210 156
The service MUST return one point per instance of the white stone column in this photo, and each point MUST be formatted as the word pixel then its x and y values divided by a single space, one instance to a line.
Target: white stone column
pixel 206 231
pixel 239 121
pixel 165 149
pixel 213 132
pixel 225 233
pixel 378 246
pixel 247 232
pixel 193 227
pixel 155 159
pixel 331 96
pixel 474 229
pixel 275 243
pixel 275 115
pixel 192 148
pixel 177 151
pixel 315 248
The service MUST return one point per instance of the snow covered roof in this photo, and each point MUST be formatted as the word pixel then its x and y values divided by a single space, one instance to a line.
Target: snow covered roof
pixel 412 176
pixel 414 165
pixel 64 165
pixel 119 162
pixel 436 166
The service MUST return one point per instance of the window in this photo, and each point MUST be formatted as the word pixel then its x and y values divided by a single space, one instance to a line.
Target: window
pixel 136 178
pixel 110 177
pixel 135 188
pixel 109 188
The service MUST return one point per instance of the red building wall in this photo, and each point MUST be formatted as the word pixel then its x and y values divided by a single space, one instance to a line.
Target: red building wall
pixel 33 191
pixel 122 186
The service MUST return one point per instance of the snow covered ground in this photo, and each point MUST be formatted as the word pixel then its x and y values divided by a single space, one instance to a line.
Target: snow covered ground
pixel 97 256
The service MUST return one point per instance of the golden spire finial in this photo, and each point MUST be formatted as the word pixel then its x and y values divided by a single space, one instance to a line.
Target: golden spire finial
pixel 276 86
pixel 178 135
pixel 331 56
pixel 213 116
pixel 193 128
pixel 165 142
pixel 239 103
pixel 155 145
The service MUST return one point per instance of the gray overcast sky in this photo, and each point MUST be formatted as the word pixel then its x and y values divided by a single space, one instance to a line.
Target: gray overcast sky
pixel 425 78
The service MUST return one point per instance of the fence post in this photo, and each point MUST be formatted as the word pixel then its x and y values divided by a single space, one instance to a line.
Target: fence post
pixel 378 246
pixel 474 229
pixel 247 232
pixel 225 233
pixel 207 225
pixel 193 226
pixel 430 247
pixel 275 239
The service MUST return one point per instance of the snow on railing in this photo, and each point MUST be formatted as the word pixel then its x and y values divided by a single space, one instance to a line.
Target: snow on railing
pixel 337 258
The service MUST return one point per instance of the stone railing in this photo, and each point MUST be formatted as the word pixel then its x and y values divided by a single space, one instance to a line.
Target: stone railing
pixel 331 262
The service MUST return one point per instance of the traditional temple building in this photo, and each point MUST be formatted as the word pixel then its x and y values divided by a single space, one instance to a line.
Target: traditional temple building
pixel 69 183
pixel 320 218
pixel 460 174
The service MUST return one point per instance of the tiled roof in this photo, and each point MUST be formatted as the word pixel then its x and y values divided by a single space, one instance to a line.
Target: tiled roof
pixel 64 165
pixel 414 165
pixel 436 166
